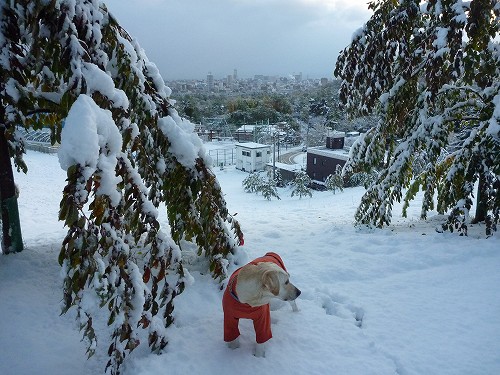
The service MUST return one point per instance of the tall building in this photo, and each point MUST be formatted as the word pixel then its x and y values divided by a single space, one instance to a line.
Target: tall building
pixel 235 75
pixel 210 82
pixel 230 81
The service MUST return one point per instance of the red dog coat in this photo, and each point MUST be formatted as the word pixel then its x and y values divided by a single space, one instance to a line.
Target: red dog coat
pixel 234 310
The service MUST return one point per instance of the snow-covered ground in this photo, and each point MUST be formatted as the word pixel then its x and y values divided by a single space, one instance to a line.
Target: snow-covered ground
pixel 403 300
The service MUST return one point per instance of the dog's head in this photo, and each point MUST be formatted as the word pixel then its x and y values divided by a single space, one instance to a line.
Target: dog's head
pixel 276 281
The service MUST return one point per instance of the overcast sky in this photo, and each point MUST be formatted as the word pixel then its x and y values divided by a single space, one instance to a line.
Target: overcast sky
pixel 190 38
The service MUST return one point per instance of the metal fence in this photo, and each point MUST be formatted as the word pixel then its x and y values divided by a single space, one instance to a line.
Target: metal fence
pixel 38 140
pixel 223 157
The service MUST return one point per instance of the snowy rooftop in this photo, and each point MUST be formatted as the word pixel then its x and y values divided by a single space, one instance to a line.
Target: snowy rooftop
pixel 287 167
pixel 252 145
pixel 251 128
pixel 341 154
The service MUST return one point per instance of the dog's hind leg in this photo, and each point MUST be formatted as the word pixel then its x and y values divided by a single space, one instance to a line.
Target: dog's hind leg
pixel 235 344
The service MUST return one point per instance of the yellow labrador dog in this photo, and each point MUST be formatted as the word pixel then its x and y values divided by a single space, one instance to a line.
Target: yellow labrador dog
pixel 247 296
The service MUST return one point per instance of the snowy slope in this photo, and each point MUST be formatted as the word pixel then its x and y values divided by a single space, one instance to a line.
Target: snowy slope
pixel 402 300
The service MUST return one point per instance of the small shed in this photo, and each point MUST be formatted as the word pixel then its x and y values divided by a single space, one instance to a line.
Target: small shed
pixel 323 161
pixel 251 157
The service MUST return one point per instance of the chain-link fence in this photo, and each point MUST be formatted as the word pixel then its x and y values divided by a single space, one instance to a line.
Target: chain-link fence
pixel 38 140
pixel 223 157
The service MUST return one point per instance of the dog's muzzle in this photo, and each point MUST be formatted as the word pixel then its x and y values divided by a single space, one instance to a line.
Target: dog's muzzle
pixel 295 294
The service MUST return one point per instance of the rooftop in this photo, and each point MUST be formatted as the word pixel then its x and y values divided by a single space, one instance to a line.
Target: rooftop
pixel 340 154
pixel 252 145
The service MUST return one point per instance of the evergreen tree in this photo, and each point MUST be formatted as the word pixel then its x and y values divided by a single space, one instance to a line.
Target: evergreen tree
pixel 300 185
pixel 60 56
pixel 362 178
pixel 268 188
pixel 432 72
pixel 253 182
pixel 335 181
pixel 278 179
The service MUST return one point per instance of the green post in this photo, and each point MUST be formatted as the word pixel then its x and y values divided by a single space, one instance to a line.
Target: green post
pixel 11 226
pixel 12 240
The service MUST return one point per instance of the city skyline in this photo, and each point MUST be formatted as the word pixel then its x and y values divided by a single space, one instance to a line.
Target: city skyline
pixel 189 39
pixel 235 76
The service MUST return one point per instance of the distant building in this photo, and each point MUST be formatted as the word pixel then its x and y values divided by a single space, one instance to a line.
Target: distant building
pixel 323 161
pixel 257 132
pixel 245 133
pixel 287 171
pixel 251 157
pixel 230 81
pixel 210 81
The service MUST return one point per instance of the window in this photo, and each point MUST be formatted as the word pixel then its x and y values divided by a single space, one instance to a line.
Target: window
pixel 314 161
pixel 245 153
pixel 258 154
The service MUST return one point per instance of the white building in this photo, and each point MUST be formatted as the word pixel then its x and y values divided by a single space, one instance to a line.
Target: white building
pixel 252 156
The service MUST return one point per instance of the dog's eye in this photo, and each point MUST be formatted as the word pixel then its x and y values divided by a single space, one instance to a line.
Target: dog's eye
pixel 287 282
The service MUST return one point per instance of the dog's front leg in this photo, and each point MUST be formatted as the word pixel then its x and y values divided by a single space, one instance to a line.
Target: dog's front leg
pixel 260 350
pixel 235 344
pixel 294 306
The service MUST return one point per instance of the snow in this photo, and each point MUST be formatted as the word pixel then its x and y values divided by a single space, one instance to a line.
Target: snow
pixel 494 124
pixel 89 128
pixel 97 80
pixel 185 145
pixel 401 300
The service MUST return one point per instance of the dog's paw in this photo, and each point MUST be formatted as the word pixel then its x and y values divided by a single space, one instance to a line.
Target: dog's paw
pixel 235 344
pixel 260 350
pixel 294 306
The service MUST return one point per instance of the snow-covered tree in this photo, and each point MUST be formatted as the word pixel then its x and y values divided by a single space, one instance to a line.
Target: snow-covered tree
pixel 335 181
pixel 300 185
pixel 278 179
pixel 126 151
pixel 253 182
pixel 431 70
pixel 268 187
pixel 362 178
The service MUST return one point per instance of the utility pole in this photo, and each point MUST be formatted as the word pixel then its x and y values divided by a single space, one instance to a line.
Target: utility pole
pixel 274 156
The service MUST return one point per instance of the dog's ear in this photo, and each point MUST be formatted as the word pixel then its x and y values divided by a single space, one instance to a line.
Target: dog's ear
pixel 271 282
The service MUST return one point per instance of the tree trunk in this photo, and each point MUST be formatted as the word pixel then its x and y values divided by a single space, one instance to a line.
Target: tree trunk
pixel 12 240
pixel 481 208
